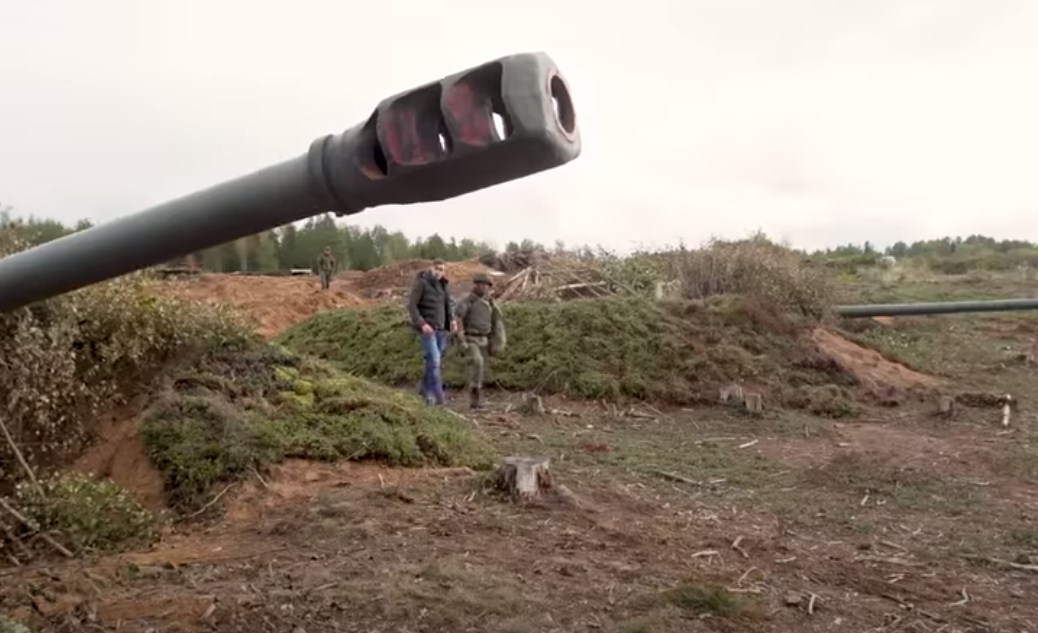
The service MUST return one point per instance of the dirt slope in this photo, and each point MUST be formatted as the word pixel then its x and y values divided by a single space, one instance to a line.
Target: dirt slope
pixel 878 376
pixel 396 279
pixel 272 303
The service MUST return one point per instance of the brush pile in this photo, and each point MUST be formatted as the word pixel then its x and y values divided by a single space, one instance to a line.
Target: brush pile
pixel 512 262
pixel 560 279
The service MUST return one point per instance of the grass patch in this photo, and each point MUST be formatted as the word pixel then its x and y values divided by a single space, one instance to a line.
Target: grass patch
pixel 704 599
pixel 86 515
pixel 619 347
pixel 904 487
pixel 653 454
pixel 247 408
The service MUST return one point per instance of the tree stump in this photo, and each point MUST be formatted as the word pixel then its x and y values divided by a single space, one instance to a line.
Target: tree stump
pixel 754 402
pixel 531 404
pixel 524 477
pixel 732 394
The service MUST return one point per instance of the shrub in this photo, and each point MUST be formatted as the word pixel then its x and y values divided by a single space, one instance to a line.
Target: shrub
pixel 756 269
pixel 246 409
pixel 63 359
pixel 83 514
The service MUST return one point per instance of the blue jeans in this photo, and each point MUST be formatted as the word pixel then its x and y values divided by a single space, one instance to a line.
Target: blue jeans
pixel 433 345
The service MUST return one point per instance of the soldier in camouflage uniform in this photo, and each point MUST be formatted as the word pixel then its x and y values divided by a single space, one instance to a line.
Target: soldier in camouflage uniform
pixel 326 267
pixel 480 333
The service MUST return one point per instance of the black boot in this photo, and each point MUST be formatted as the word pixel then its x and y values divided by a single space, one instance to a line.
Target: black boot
pixel 475 398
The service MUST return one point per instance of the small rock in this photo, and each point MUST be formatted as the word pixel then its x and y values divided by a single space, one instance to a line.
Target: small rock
pixel 793 599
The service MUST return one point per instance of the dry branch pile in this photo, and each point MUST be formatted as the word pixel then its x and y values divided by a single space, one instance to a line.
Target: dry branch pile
pixel 560 280
pixel 512 262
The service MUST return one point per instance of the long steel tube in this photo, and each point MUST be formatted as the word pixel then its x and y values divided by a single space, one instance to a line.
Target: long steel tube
pixel 430 143
pixel 949 307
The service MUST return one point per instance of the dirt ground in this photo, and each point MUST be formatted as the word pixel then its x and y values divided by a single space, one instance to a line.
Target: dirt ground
pixel 678 520
pixel 275 304
pixel 673 520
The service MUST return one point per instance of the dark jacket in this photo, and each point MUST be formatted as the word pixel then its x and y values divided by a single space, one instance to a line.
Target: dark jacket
pixel 429 302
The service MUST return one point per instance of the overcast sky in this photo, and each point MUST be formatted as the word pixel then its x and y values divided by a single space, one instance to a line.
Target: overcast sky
pixel 817 121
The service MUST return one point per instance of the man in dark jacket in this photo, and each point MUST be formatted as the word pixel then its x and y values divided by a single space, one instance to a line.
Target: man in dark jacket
pixel 430 310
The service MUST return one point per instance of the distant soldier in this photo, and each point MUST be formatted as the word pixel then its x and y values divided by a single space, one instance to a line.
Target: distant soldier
pixel 481 333
pixel 429 307
pixel 326 266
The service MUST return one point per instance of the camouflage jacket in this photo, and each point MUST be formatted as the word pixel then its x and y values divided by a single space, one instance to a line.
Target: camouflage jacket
pixel 480 316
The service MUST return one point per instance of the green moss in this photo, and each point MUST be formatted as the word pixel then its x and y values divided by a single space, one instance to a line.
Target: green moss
pixel 608 348
pixel 297 408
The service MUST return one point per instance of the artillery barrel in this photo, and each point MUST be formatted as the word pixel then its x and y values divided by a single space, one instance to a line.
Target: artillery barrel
pixel 949 307
pixel 431 143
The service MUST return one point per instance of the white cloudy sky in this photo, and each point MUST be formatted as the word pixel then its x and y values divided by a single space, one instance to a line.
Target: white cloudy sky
pixel 818 121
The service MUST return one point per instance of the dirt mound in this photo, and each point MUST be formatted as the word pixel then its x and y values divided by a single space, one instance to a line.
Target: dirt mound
pixel 273 304
pixel 616 347
pixel 119 455
pixel 878 376
pixel 396 279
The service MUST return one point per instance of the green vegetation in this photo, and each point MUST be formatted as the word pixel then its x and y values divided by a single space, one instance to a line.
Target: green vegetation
pixel 244 409
pixel 771 274
pixel 67 358
pixel 950 345
pixel 90 516
pixel 945 256
pixel 706 599
pixel 229 404
pixel 610 348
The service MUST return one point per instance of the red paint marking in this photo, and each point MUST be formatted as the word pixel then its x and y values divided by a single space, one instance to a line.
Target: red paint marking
pixel 403 142
pixel 470 115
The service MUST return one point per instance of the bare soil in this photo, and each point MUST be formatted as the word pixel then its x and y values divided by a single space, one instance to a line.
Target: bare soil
pixel 396 279
pixel 877 375
pixel 878 520
pixel 273 304
pixel 119 455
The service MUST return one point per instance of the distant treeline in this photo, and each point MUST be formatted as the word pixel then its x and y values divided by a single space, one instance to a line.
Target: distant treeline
pixel 947 255
pixel 299 246
pixel 293 246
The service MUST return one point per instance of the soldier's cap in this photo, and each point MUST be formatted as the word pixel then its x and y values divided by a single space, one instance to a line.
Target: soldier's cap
pixel 482 278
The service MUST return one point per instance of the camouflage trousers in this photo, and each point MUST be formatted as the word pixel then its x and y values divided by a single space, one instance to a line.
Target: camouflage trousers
pixel 476 360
